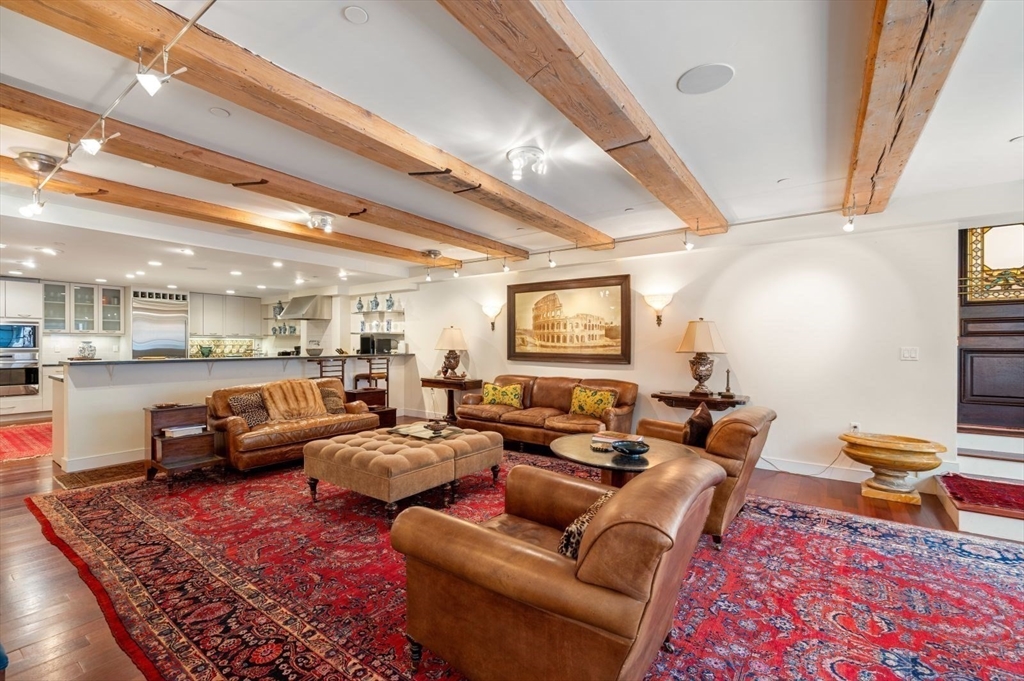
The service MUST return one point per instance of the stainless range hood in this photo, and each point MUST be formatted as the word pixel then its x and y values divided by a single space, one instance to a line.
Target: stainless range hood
pixel 304 307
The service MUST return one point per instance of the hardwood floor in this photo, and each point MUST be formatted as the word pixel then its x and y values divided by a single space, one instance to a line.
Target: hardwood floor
pixel 53 629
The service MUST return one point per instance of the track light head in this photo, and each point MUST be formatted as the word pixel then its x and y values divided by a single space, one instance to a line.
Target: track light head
pixel 551 263
pixel 33 209
pixel 848 227
pixel 152 81
pixel 504 266
pixel 455 274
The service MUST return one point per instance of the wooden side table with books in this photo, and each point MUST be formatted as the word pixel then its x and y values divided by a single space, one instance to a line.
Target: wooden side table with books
pixel 174 453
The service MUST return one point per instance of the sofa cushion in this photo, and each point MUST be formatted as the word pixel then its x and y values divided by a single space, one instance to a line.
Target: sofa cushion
pixel 698 426
pixel 570 543
pixel 334 403
pixel 483 412
pixel 511 395
pixel 293 399
pixel 574 423
pixel 325 426
pixel 591 401
pixel 534 416
pixel 553 392
pixel 250 407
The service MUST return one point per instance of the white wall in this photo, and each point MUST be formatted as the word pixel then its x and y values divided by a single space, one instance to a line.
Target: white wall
pixel 59 347
pixel 813 329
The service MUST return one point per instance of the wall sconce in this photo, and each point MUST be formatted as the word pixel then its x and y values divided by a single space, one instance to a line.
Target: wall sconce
pixel 492 310
pixel 658 302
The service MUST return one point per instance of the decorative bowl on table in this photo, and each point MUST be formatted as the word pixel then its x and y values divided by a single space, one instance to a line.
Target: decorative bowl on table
pixel 314 352
pixel 631 449
pixel 435 426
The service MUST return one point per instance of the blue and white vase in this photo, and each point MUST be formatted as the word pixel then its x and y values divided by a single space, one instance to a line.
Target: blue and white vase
pixel 389 304
pixel 359 304
pixel 374 303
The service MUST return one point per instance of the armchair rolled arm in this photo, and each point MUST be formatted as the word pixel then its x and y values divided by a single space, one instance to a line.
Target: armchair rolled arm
pixel 618 418
pixel 549 498
pixel 357 407
pixel 513 568
pixel 232 425
pixel 472 398
pixel 663 430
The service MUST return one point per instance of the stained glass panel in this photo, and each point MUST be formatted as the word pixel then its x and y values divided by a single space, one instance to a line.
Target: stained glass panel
pixel 995 264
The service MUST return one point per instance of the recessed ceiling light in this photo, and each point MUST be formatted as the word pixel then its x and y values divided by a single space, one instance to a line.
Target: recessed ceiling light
pixel 101 281
pixel 230 292
pixel 781 180
pixel 277 263
pixel 154 263
pixel 300 280
pixel 1018 138
pixel 15 272
pixel 705 78
pixel 29 264
pixel 260 286
pixel 48 251
pixel 235 273
pixel 148 165
pixel 3 245
pixel 172 286
pixel 129 276
pixel 357 15
pixel 219 112
pixel 186 251
pixel 140 273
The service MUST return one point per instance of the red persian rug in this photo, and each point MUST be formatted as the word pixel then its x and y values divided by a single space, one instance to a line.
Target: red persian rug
pixel 1008 495
pixel 250 580
pixel 25 441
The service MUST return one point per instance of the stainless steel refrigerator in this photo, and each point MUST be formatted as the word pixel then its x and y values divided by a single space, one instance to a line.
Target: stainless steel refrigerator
pixel 159 324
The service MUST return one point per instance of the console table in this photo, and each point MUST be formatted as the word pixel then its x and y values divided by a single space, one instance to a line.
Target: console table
pixel 173 454
pixel 684 400
pixel 451 385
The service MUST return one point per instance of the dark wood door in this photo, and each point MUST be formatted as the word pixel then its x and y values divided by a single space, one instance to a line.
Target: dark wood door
pixel 991 356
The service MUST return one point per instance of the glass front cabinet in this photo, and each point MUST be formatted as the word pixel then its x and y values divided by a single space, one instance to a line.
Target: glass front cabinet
pixel 82 308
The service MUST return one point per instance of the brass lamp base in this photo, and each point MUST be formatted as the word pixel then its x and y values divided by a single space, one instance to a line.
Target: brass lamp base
pixel 701 367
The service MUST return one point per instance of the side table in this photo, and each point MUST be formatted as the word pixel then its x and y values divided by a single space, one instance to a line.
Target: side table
pixel 173 454
pixel 684 400
pixel 451 385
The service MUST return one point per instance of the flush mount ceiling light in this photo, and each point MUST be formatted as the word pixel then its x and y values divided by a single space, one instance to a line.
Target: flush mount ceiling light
pixel 355 14
pixel 527 156
pixel 705 78
pixel 33 209
pixel 321 220
pixel 219 112
pixel 38 163
pixel 150 80
pixel 92 144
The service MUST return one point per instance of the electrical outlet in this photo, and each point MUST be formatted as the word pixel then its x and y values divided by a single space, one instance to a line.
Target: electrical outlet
pixel 115 348
pixel 908 354
pixel 854 426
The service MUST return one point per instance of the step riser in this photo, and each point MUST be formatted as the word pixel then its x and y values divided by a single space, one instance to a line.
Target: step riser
pixel 992 468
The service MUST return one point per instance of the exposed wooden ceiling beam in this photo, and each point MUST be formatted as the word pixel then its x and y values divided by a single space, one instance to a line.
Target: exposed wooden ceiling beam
pixel 233 73
pixel 547 47
pixel 97 189
pixel 912 49
pixel 35 113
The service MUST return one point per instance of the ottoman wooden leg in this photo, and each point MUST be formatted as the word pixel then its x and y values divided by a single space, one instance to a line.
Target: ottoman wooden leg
pixel 494 474
pixel 312 482
pixel 390 511
pixel 453 488
pixel 415 652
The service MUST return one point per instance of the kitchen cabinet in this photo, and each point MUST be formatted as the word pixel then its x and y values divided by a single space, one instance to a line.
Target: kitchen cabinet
pixel 195 314
pixel 48 385
pixel 82 308
pixel 234 316
pixel 55 307
pixel 111 309
pixel 253 317
pixel 211 314
pixel 21 404
pixel 21 299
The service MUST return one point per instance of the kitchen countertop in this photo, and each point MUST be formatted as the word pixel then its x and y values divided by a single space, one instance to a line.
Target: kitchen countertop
pixel 57 377
pixel 105 362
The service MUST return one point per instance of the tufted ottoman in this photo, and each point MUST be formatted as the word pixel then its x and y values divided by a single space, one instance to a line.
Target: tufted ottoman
pixel 392 467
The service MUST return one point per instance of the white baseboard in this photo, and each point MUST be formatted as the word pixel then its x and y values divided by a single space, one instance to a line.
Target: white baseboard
pixel 851 471
pixel 86 463
pixel 416 413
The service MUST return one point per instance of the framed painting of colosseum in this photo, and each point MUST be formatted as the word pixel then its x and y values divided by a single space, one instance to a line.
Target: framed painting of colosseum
pixel 575 320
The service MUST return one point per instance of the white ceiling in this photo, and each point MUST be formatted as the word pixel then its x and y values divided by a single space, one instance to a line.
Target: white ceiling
pixel 789 112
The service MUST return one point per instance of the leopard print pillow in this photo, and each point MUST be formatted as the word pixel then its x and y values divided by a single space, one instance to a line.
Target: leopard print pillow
pixel 333 401
pixel 250 407
pixel 570 544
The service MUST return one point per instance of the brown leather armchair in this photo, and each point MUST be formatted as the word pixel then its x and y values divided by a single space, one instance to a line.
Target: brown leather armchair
pixel 498 601
pixel 734 443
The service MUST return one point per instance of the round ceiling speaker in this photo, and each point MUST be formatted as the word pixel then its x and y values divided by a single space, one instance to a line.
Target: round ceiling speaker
pixel 357 15
pixel 705 78
pixel 41 164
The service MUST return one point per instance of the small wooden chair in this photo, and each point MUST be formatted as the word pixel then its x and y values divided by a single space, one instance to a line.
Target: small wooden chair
pixel 378 369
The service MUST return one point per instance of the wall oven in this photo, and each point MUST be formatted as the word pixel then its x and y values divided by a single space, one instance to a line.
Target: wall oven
pixel 19 358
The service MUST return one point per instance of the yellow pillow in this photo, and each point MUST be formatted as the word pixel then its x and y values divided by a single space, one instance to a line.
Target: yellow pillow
pixel 511 395
pixel 591 402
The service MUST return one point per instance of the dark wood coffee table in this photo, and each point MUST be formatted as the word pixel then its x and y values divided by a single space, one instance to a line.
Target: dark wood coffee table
pixel 616 469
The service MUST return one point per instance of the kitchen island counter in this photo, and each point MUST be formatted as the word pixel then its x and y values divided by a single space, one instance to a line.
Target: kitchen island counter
pixel 181 360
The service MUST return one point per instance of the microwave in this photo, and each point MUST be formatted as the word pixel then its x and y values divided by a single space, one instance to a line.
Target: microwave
pixel 19 335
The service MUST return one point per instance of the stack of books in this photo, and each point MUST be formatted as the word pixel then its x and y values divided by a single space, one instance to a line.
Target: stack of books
pixel 602 442
pixel 182 431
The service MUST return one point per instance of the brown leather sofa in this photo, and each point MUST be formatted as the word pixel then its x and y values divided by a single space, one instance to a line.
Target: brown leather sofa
pixel 498 601
pixel 734 443
pixel 297 416
pixel 545 414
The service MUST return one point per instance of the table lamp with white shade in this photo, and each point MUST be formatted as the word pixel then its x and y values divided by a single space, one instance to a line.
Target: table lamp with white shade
pixel 702 338
pixel 454 342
